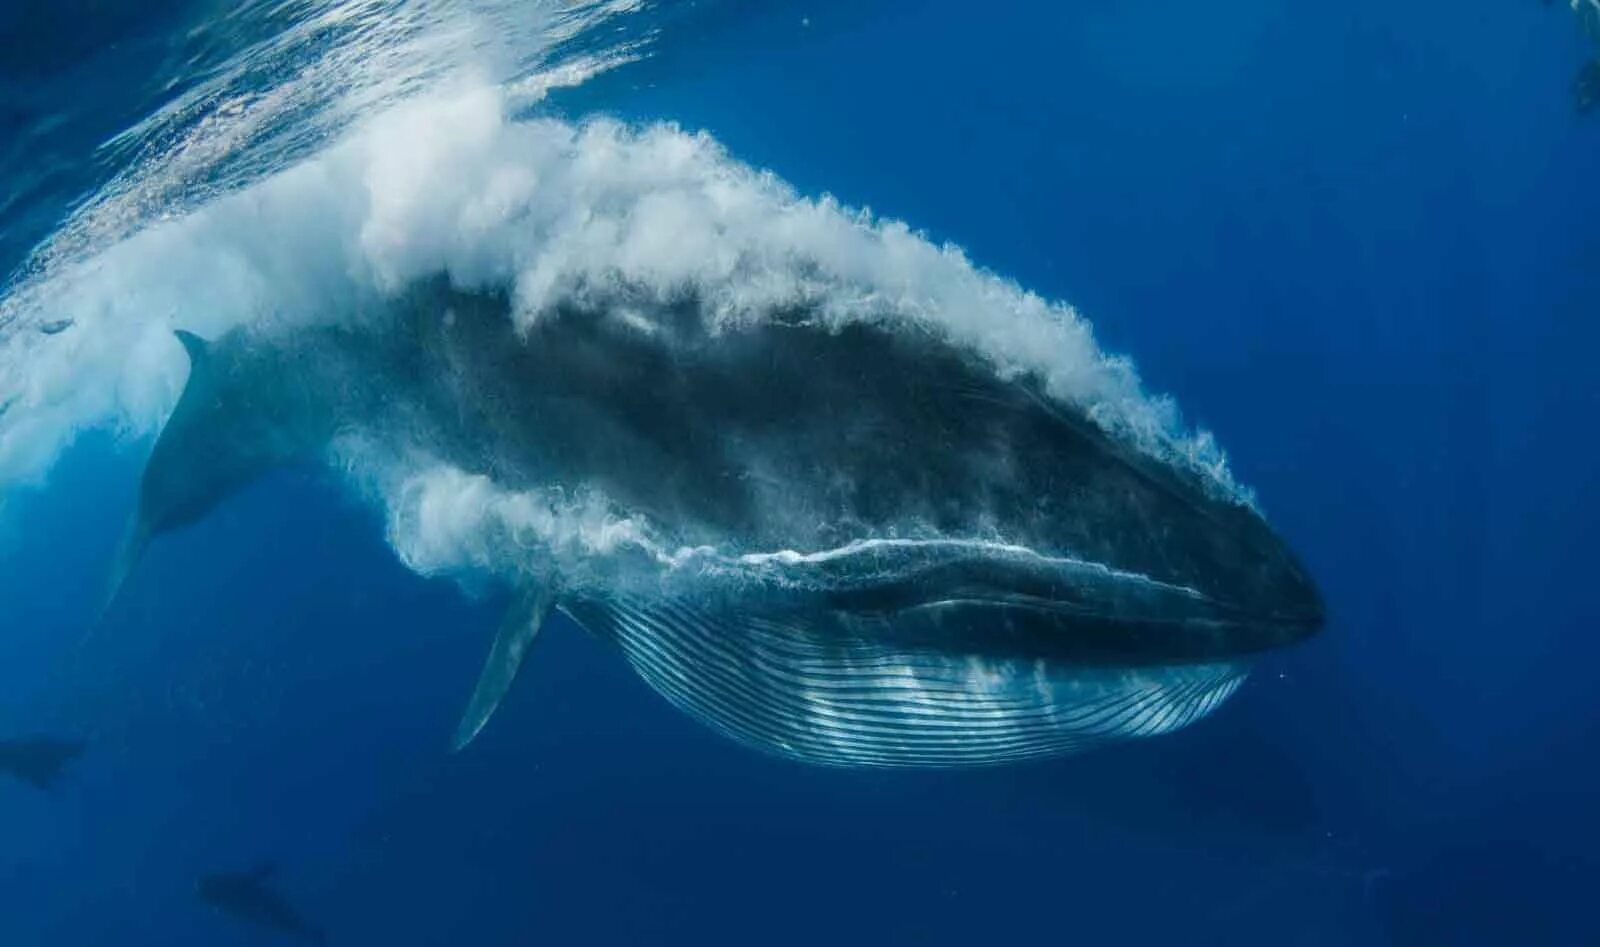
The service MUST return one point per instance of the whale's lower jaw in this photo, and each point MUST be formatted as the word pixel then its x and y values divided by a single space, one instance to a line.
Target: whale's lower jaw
pixel 810 689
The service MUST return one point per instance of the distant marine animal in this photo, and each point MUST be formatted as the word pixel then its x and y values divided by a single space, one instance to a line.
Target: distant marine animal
pixel 855 544
pixel 249 897
pixel 1586 87
pixel 38 761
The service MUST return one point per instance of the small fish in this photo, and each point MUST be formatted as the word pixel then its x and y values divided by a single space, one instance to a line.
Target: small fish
pixel 57 326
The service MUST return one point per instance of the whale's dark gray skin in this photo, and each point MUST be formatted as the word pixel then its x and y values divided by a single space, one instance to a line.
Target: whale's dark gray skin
pixel 250 897
pixel 887 552
pixel 38 761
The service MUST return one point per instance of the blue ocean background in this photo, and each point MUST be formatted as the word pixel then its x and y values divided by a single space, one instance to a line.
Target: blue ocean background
pixel 1357 241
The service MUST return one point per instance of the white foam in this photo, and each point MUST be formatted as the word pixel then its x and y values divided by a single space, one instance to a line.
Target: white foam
pixel 597 213
pixel 294 79
pixel 443 521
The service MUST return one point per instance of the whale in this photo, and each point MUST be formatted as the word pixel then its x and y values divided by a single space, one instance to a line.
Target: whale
pixel 250 897
pixel 855 543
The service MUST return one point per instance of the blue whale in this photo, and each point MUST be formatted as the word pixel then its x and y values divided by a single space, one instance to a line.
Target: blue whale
pixel 853 543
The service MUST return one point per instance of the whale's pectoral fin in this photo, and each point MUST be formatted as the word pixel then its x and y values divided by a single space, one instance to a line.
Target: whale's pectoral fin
pixel 517 631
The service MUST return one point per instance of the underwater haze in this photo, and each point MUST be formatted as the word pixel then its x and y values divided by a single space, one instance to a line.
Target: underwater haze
pixel 711 472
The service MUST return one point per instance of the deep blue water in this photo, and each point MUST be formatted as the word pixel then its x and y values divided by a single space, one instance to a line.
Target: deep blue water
pixel 1357 241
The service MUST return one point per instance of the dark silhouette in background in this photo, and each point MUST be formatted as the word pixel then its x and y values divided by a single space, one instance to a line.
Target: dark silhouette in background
pixel 250 897
pixel 1586 88
pixel 38 761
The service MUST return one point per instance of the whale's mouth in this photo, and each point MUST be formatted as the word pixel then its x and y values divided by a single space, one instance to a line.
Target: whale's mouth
pixel 1051 629
pixel 999 600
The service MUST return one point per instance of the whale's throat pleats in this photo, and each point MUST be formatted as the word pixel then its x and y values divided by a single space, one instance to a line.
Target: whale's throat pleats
pixel 812 687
